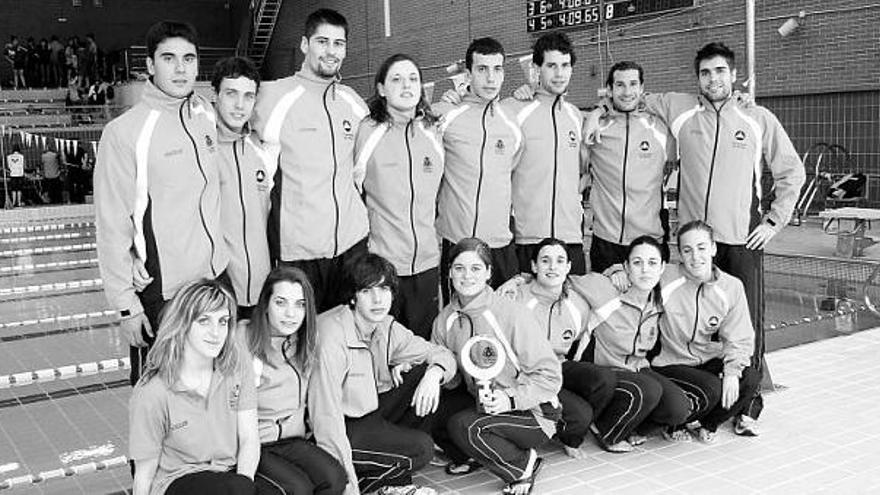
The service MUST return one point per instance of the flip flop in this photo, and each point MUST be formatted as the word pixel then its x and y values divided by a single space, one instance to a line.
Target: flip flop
pixel 508 490
pixel 460 469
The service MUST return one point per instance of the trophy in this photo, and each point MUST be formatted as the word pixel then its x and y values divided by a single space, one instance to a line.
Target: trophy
pixel 483 359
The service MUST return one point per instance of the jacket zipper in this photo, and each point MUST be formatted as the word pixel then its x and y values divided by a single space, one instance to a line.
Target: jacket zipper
pixel 412 196
pixel 712 163
pixel 696 320
pixel 247 254
pixel 204 177
pixel 335 167
pixel 623 182
pixel 480 179
pixel 555 165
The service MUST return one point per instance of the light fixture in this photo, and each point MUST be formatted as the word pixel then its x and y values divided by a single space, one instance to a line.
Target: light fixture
pixel 792 24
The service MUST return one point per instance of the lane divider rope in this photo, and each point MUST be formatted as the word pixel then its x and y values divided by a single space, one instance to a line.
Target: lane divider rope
pixel 78 469
pixel 73 284
pixel 58 319
pixel 49 249
pixel 45 227
pixel 43 266
pixel 64 372
pixel 48 237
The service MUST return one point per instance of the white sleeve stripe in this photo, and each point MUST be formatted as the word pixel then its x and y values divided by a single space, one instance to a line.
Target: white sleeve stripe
pixel 681 119
pixel 272 132
pixel 604 312
pixel 671 287
pixel 447 119
pixel 575 315
pixel 356 106
pixel 759 149
pixel 438 146
pixel 360 163
pixel 659 136
pixel 723 297
pixel 526 111
pixel 450 320
pixel 141 198
pixel 532 303
pixel 496 328
pixel 517 134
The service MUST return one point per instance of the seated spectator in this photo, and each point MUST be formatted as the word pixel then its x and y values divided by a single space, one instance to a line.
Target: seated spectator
pixel 193 418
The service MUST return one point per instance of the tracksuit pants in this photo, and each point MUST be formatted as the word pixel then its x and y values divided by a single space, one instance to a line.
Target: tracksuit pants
pixel 390 443
pixel 294 465
pixel 705 380
pixel 499 442
pixel 638 397
pixel 212 483
pixel 417 301
pixel 748 266
pixel 586 390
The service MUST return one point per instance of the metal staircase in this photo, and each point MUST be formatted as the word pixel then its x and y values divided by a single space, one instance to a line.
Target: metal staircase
pixel 264 14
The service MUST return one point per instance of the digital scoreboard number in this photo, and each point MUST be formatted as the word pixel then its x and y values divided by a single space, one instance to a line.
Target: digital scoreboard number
pixel 544 15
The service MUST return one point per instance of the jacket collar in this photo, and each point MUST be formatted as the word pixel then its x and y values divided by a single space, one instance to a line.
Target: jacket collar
pixel 477 305
pixel 154 97
pixel 227 135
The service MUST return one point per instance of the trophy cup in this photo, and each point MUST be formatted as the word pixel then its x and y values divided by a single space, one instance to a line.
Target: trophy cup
pixel 483 359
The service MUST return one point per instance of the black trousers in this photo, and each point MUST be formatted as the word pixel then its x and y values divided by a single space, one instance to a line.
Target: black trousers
pixel 504 266
pixel 212 483
pixel 638 397
pixel 295 465
pixel 417 302
pixel 748 266
pixel 586 390
pixel 705 381
pixel 327 275
pixel 526 252
pixel 390 443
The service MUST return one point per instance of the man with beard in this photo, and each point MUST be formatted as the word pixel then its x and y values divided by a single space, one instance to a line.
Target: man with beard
pixel 317 220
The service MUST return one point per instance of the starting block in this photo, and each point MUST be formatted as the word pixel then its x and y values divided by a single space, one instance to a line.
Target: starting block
pixel 849 226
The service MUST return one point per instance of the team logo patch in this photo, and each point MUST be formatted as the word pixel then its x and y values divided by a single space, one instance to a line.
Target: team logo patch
pixel 499 147
pixel 346 126
pixel 177 426
pixel 427 166
pixel 208 141
pixel 644 146
pixel 567 334
pixel 714 321
pixel 572 139
pixel 261 176
pixel 234 395
pixel 739 135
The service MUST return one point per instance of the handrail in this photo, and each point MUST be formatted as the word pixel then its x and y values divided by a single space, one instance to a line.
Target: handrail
pixel 865 296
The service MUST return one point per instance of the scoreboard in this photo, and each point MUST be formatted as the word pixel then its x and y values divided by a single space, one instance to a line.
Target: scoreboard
pixel 544 15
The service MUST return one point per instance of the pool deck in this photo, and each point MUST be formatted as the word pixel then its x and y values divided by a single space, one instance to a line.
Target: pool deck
pixel 820 427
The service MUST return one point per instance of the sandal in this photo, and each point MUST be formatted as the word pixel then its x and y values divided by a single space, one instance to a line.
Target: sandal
pixel 510 489
pixel 461 468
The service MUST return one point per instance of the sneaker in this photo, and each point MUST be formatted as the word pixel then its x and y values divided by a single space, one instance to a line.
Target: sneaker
pixel 574 452
pixel 677 435
pixel 746 426
pixel 706 436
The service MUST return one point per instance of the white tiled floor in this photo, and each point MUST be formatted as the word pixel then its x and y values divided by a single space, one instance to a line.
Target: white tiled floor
pixel 820 434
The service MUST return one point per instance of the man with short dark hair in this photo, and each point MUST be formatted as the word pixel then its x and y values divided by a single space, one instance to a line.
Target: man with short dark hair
pixel 246 172
pixel 723 145
pixel 157 190
pixel 626 170
pixel 483 145
pixel 317 220
pixel 546 193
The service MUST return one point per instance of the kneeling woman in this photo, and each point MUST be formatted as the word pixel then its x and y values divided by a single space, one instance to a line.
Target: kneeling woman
pixel 706 332
pixel 523 410
pixel 373 423
pixel 193 419
pixel 281 337
pixel 624 330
